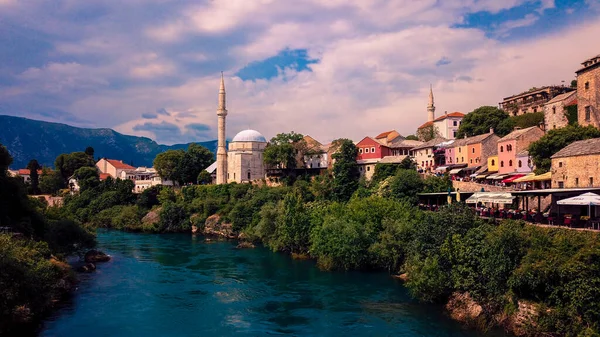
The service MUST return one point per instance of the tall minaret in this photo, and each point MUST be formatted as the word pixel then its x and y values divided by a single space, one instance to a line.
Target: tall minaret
pixel 221 151
pixel 430 106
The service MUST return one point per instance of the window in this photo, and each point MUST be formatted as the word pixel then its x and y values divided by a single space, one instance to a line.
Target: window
pixel 591 181
pixel 459 149
pixel 554 126
pixel 576 182
pixel 454 134
pixel 462 159
pixel 367 150
pixel 587 85
pixel 360 151
pixel 422 163
pixel 588 113
pixel 471 161
pixel 454 123
pixel 560 164
pixel 502 163
pixel 520 164
pixel 501 148
pixel 510 163
pixel 473 150
pixel 249 172
pixel 368 168
pixel 360 169
pixel 561 184
pixel 493 162
pixel 372 150
pixel 233 175
pixel 535 109
pixel 554 110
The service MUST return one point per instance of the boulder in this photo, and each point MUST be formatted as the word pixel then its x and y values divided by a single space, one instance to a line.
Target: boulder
pixel 94 256
pixel 463 308
pixel 523 319
pixel 402 277
pixel 215 228
pixel 244 244
pixel 87 268
pixel 152 217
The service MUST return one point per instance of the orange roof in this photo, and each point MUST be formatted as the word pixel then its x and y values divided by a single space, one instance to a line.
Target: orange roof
pixel 104 176
pixel 452 114
pixel 384 134
pixel 425 125
pixel 23 172
pixel 118 164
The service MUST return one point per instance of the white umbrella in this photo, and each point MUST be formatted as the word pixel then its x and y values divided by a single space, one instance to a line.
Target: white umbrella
pixel 587 199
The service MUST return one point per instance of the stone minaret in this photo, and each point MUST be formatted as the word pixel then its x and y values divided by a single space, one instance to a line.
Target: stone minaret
pixel 221 151
pixel 430 106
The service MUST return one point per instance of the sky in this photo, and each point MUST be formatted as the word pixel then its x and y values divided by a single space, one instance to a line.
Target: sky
pixel 329 69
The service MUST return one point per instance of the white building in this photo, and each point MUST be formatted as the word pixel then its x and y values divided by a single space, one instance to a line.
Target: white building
pixel 245 157
pixel 143 178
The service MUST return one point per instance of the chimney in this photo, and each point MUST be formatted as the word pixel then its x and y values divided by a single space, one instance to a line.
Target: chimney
pixel 491 130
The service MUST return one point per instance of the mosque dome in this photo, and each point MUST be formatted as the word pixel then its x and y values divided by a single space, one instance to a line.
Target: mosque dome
pixel 249 136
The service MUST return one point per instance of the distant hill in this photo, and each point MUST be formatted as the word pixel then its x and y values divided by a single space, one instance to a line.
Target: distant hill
pixel 28 139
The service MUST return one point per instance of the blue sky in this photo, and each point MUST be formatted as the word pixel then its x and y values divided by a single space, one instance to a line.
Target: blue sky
pixel 336 68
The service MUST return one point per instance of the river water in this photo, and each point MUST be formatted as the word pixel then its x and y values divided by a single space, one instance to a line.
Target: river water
pixel 179 285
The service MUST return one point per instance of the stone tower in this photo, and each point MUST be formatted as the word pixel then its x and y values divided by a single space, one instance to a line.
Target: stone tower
pixel 430 106
pixel 221 151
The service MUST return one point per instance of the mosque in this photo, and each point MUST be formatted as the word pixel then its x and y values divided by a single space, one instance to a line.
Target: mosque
pixel 243 162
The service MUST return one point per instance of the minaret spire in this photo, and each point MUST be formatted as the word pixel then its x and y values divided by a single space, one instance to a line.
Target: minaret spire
pixel 430 106
pixel 221 151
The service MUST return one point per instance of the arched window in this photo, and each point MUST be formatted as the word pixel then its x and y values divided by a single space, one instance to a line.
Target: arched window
pixel 510 163
pixel 502 163
pixel 473 150
pixel 249 172
pixel 462 159
pixel 520 164
pixel 493 162
pixel 501 148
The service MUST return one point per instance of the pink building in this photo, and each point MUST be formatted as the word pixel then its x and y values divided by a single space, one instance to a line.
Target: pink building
pixel 512 144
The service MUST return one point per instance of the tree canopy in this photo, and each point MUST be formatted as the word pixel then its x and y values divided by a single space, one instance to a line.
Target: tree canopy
pixel 345 169
pixel 5 159
pixel 183 166
pixel 554 141
pixel 68 163
pixel 428 133
pixel 480 120
pixel 33 168
pixel 285 151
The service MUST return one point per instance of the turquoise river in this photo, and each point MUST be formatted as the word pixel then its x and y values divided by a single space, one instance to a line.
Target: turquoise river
pixel 180 285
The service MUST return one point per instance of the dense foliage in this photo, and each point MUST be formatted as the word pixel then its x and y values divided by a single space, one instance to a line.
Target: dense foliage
pixel 32 275
pixel 427 133
pixel 555 140
pixel 482 119
pixel 182 166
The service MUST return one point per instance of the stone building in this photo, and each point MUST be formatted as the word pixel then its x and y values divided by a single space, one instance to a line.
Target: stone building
pixel 427 156
pixel 588 92
pixel 577 165
pixel 317 157
pixel 555 111
pixel 480 147
pixel 245 157
pixel 532 100
pixel 512 144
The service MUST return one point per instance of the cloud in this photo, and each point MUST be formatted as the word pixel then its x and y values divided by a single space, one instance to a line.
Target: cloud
pixel 443 61
pixel 295 60
pixel 504 29
pixel 149 115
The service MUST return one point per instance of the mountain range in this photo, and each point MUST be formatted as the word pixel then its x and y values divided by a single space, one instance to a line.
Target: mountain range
pixel 28 139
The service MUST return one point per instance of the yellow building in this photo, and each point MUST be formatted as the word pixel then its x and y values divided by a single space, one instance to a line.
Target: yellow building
pixel 492 163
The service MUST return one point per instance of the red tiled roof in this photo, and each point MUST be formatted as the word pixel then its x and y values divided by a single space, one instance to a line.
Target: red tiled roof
pixel 118 164
pixel 425 125
pixel 452 114
pixel 23 172
pixel 104 176
pixel 383 134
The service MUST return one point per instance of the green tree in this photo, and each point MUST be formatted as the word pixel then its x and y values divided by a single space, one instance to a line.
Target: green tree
pixel 433 184
pixel 527 120
pixel 167 164
pixel 407 164
pixel 194 161
pixel 285 151
pixel 89 151
pixel 411 137
pixel 5 160
pixel 405 186
pixel 345 170
pixel 51 181
pixel 383 171
pixel 480 120
pixel 571 114
pixel 67 164
pixel 574 84
pixel 428 133
pixel 554 141
pixel 33 166
pixel 87 178
pixel 204 178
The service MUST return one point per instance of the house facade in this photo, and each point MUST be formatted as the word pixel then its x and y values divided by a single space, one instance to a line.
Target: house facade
pixel 524 162
pixel 513 143
pixel 492 163
pixel 555 111
pixel 447 124
pixel 588 92
pixel 369 148
pixel 577 165
pixel 427 157
pixel 532 100
pixel 317 157
pixel 480 147
pixel 113 167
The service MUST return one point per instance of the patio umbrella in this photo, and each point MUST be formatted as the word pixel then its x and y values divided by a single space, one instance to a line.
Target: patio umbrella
pixel 587 199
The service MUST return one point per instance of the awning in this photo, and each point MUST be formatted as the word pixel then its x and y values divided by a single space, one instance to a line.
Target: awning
pixel 493 197
pixel 441 168
pixel 481 176
pixel 500 176
pixel 483 169
pixel 492 176
pixel 472 168
pixel 455 171
pixel 512 178
pixel 543 177
pixel 525 179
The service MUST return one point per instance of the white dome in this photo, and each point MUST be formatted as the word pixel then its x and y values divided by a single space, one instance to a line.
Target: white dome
pixel 249 136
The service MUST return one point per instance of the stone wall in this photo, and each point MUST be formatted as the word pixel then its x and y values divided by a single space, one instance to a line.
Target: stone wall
pixel 576 171
pixel 589 97
pixel 554 115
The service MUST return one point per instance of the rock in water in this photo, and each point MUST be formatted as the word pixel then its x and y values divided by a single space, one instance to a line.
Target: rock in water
pixel 94 256
pixel 244 244
pixel 87 268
